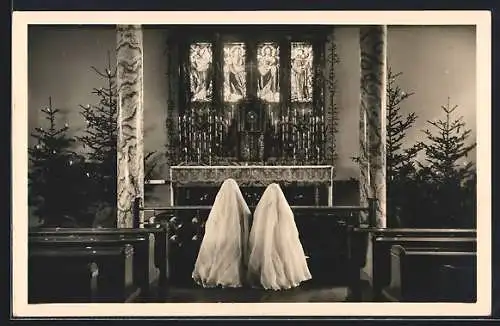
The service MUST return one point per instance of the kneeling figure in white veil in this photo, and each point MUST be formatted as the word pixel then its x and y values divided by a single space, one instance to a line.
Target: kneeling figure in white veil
pixel 222 256
pixel 276 260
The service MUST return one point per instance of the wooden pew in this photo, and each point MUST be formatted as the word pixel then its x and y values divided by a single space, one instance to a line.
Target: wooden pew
pixel 458 283
pixel 52 283
pixel 405 232
pixel 416 275
pixel 357 245
pixel 159 231
pixel 381 255
pixel 145 274
pixel 61 275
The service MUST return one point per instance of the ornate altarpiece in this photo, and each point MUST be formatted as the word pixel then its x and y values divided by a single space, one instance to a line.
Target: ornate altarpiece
pixel 252 103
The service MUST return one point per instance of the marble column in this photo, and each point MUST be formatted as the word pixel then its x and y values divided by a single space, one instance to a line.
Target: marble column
pixel 130 147
pixel 373 48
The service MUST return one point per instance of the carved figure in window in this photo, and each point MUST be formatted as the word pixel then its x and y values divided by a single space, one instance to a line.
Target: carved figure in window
pixel 268 66
pixel 234 72
pixel 200 71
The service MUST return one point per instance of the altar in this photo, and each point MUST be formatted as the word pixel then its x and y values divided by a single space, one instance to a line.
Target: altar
pixel 317 179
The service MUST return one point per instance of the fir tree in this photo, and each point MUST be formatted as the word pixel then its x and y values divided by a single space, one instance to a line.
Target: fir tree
pixel 400 157
pixel 54 174
pixel 449 172
pixel 100 141
pixel 100 137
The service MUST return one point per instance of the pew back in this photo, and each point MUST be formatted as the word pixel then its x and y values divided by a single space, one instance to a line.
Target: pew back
pixel 394 232
pixel 52 270
pixel 416 273
pixel 381 256
pixel 159 232
pixel 145 273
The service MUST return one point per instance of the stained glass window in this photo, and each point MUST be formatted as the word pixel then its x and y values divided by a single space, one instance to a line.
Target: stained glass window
pixel 200 60
pixel 301 72
pixel 268 87
pixel 234 72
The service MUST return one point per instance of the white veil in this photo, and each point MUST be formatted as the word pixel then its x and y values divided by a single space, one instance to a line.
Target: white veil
pixel 223 252
pixel 276 260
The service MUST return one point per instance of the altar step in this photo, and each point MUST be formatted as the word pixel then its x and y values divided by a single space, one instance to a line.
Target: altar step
pixel 300 294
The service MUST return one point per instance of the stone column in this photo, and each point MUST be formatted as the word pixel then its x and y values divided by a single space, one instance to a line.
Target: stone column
pixel 373 46
pixel 130 147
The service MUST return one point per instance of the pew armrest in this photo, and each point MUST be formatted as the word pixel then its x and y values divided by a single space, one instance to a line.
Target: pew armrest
pixel 393 291
pixel 94 278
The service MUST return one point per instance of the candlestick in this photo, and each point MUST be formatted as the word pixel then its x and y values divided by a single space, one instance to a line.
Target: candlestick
pixel 282 125
pixel 308 139
pixel 221 130
pixel 204 146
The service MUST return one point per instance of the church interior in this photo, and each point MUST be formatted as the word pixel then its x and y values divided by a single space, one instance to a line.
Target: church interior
pixel 255 104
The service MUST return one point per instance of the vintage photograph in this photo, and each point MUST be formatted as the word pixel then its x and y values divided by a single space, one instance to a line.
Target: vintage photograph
pixel 252 163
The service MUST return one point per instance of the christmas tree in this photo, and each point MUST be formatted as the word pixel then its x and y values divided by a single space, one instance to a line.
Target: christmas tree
pixel 99 141
pixel 54 173
pixel 448 172
pixel 400 157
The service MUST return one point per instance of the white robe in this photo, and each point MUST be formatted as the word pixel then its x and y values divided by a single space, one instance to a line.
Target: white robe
pixel 223 252
pixel 276 259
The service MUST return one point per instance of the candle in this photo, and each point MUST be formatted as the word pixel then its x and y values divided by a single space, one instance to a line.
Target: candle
pixel 283 130
pixel 205 144
pixel 221 130
pixel 322 129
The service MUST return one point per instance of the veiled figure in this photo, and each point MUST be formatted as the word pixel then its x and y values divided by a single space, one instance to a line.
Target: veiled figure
pixel 223 252
pixel 276 259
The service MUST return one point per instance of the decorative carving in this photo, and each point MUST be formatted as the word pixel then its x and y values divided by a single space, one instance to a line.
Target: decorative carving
pixel 252 175
pixel 251 130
